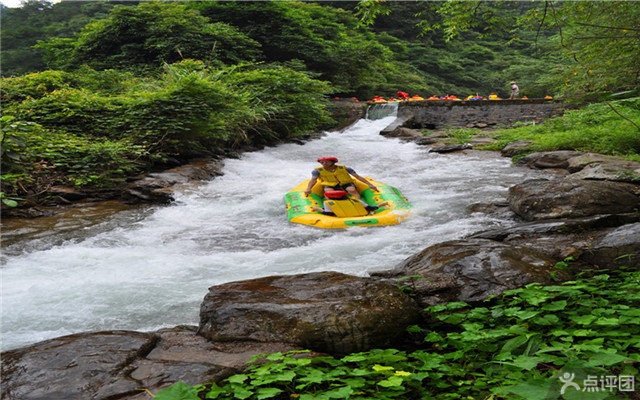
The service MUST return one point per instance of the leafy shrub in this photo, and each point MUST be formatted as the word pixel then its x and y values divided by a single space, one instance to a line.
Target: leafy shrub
pixel 76 111
pixel 32 86
pixel 293 102
pixel 34 158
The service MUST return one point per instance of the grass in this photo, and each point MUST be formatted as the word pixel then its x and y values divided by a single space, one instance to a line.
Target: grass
pixel 611 128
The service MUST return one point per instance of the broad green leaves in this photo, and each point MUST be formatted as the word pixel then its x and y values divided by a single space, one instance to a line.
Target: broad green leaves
pixel 521 345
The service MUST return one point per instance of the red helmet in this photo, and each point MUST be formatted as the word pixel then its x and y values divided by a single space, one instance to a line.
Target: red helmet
pixel 328 158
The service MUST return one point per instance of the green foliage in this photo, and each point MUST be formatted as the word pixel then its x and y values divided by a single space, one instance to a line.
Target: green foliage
pixel 36 158
pixel 34 86
pixel 141 38
pixel 9 201
pixel 460 135
pixel 98 126
pixel 295 102
pixel 518 346
pixel 597 41
pixel 78 111
pixel 326 40
pixel 600 42
pixel 179 79
pixel 22 28
pixel 578 50
pixel 606 128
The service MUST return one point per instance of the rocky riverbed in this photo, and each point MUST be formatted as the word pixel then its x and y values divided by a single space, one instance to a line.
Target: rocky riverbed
pixel 586 212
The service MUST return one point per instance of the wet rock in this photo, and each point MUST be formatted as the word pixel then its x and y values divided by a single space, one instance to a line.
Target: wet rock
pixel 497 209
pixel 122 364
pixel 568 198
pixel 449 148
pixel 470 270
pixel 402 132
pixel 426 141
pixel 477 141
pixel 159 187
pixel 618 247
pixel 73 367
pixel 549 159
pixel 608 172
pixel 576 238
pixel 515 148
pixel 67 193
pixel 327 312
pixel 346 111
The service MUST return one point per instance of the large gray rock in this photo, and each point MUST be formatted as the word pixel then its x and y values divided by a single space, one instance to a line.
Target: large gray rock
pixel 580 165
pixel 122 364
pixel 568 198
pixel 619 247
pixel 327 312
pixel 73 367
pixel 515 148
pixel 549 159
pixel 575 237
pixel 159 187
pixel 470 270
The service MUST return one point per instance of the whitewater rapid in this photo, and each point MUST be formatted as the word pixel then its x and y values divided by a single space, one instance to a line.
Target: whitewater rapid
pixel 149 268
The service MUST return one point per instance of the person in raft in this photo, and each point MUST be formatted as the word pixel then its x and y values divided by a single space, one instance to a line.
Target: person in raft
pixel 335 176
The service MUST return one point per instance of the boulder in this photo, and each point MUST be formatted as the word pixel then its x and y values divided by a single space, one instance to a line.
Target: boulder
pixel 450 148
pixel 122 364
pixel 604 169
pixel 159 187
pixel 580 165
pixel 326 312
pixel 515 148
pixel 470 270
pixel 402 132
pixel 569 198
pixel 580 162
pixel 73 367
pixel 618 247
pixel 549 159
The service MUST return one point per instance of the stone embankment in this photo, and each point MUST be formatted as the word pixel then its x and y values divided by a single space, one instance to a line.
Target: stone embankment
pixel 475 114
pixel 587 212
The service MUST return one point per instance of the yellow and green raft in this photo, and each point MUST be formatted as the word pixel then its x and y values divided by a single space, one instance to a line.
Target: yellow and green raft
pixel 349 212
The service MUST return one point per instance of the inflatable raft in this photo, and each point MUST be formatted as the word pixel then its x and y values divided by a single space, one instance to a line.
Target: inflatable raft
pixel 302 209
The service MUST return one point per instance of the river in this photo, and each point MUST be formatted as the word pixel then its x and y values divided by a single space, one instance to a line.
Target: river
pixel 147 268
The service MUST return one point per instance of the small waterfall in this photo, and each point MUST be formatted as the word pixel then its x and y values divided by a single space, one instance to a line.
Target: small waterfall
pixel 383 110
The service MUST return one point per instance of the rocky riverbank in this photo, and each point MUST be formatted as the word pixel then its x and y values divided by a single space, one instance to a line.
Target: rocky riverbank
pixel 586 213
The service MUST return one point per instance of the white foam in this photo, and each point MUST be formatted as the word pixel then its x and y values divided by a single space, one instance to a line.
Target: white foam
pixel 153 270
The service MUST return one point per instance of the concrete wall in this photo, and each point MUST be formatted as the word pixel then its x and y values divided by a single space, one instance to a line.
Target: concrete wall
pixel 479 114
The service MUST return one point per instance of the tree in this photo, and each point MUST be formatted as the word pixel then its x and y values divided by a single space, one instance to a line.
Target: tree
pixel 600 42
pixel 596 43
pixel 144 37
pixel 327 40
pixel 41 20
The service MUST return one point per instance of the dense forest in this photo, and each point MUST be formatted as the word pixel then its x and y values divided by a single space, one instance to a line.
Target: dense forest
pixel 96 91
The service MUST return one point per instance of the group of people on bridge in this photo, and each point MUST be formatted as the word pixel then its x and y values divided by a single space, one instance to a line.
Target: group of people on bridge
pixel 404 96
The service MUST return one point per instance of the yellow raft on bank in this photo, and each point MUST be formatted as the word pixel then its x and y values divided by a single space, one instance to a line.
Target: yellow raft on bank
pixel 349 212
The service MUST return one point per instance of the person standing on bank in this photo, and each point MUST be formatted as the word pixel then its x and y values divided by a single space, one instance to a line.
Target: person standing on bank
pixel 335 176
pixel 515 91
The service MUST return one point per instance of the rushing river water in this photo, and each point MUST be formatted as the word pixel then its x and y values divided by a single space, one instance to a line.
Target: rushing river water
pixel 148 268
